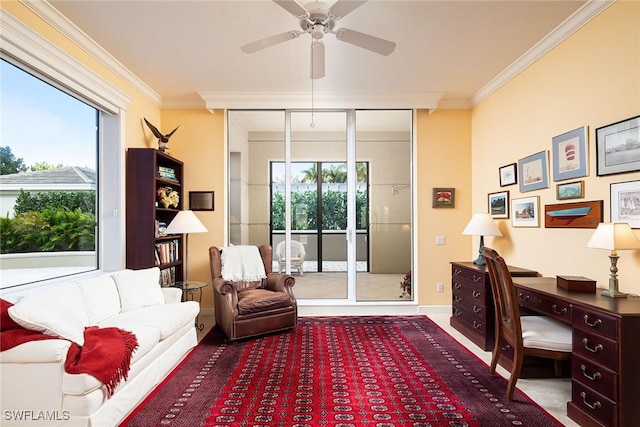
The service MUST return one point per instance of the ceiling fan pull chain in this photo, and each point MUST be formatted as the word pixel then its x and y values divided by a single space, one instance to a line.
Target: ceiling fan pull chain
pixel 312 124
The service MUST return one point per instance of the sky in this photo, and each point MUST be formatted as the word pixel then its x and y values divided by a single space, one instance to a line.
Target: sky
pixel 43 124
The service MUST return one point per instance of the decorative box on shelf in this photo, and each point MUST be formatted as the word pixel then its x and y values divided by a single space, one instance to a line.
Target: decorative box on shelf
pixel 576 283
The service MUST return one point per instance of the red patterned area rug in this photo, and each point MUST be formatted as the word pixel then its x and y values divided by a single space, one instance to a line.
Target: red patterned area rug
pixel 377 371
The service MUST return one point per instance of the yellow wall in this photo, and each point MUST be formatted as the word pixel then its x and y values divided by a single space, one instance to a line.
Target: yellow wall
pixel 199 143
pixel 593 79
pixel 443 159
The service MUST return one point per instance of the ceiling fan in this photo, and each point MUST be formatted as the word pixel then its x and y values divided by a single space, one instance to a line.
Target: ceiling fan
pixel 317 19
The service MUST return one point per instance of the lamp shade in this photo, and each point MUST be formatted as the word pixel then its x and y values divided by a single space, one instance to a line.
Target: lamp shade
pixel 482 224
pixel 186 222
pixel 613 236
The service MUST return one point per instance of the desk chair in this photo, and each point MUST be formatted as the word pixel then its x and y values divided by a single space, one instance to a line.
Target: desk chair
pixel 539 336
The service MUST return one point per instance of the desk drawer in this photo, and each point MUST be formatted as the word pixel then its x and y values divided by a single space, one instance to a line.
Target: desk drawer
pixel 594 376
pixel 470 275
pixel 593 404
pixel 557 309
pixel 596 348
pixel 471 319
pixel 474 291
pixel 596 322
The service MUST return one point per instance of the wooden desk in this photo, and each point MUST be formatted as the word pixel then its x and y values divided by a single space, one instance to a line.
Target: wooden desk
pixel 472 311
pixel 605 370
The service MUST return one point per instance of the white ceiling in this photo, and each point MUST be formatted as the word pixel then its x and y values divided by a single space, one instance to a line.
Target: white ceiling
pixel 449 53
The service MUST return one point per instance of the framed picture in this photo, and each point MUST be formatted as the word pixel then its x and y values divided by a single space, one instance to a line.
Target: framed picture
pixel 499 204
pixel 534 172
pixel 570 190
pixel 618 147
pixel 570 158
pixel 625 203
pixel 524 212
pixel 573 215
pixel 444 197
pixel 201 200
pixel 508 175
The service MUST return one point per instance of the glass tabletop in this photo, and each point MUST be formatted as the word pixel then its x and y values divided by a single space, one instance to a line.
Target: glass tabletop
pixel 191 284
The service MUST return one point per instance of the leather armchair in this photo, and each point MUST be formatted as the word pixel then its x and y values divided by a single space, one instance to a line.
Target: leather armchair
pixel 246 309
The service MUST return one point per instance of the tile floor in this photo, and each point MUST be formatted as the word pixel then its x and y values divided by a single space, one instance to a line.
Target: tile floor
pixel 551 394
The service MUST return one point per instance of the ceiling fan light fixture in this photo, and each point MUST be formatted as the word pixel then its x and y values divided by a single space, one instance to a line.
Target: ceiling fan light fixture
pixel 317 32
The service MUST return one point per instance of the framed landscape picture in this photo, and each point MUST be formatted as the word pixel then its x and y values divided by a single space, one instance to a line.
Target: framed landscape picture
pixel 533 171
pixel 570 190
pixel 618 147
pixel 570 155
pixel 625 203
pixel 525 212
pixel 444 197
pixel 499 204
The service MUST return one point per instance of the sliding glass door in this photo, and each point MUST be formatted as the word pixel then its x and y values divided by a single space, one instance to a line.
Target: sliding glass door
pixel 331 192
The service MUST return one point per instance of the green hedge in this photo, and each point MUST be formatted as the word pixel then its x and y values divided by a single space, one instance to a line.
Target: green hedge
pixel 85 201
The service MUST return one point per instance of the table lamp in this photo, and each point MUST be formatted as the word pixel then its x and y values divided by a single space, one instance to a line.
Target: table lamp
pixel 186 222
pixel 613 236
pixel 481 224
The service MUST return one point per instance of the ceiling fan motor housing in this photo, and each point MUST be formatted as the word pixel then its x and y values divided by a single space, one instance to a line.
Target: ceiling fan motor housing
pixel 318 22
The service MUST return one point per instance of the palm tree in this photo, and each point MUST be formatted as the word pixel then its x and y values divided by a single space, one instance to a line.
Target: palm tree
pixel 311 174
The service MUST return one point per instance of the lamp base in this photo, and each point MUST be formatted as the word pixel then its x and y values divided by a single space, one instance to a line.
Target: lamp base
pixel 480 260
pixel 613 294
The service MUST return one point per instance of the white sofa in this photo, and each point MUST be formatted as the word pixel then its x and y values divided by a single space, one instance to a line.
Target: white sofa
pixel 33 380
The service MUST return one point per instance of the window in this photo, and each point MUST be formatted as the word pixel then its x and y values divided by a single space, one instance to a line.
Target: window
pixel 26 54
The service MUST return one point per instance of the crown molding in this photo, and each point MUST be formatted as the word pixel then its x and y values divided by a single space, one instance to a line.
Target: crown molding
pixel 303 100
pixel 21 43
pixel 57 20
pixel 569 26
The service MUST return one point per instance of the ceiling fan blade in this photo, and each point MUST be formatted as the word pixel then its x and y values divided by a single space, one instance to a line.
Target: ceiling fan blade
pixel 342 7
pixel 317 60
pixel 269 41
pixel 293 8
pixel 374 44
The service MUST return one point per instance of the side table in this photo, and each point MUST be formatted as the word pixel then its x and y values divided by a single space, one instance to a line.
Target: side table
pixel 190 289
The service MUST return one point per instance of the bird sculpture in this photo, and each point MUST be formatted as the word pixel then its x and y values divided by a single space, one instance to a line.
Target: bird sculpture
pixel 163 140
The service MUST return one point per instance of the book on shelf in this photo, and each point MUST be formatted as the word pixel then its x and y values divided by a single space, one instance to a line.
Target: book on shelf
pixel 167 277
pixel 167 252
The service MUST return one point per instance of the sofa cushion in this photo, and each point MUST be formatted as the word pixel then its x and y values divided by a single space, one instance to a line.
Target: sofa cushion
pixel 81 384
pixel 259 300
pixel 101 298
pixel 58 312
pixel 167 318
pixel 139 288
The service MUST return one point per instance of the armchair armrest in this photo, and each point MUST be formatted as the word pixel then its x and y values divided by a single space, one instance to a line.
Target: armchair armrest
pixel 280 282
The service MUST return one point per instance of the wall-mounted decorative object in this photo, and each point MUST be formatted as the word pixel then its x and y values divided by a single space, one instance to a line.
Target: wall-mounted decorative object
pixel 499 204
pixel 618 147
pixel 533 171
pixel 573 215
pixel 508 175
pixel 625 203
pixel 525 212
pixel 570 190
pixel 201 200
pixel 570 159
pixel 444 197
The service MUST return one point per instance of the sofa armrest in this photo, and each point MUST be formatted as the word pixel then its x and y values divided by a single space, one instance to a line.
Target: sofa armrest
pixel 172 295
pixel 44 351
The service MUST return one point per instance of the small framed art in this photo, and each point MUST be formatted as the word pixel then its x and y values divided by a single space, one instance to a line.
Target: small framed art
pixel 625 203
pixel 525 212
pixel 499 204
pixel 573 215
pixel 508 175
pixel 570 190
pixel 570 155
pixel 618 147
pixel 534 172
pixel 444 197
pixel 201 200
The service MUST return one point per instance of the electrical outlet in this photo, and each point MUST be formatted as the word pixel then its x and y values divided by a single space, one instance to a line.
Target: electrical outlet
pixel 439 240
pixel 440 287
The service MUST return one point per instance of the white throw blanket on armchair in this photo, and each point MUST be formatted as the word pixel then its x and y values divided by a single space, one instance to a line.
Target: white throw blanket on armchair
pixel 242 263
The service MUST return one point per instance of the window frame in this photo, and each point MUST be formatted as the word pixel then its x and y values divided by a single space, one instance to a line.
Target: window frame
pixel 26 49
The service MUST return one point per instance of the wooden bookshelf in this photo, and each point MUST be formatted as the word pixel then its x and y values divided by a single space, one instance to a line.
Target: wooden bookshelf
pixel 148 170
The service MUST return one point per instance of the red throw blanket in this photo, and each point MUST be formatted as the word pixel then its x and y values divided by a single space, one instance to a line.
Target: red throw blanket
pixel 105 355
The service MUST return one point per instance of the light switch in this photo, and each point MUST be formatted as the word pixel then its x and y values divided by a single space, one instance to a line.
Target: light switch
pixel 439 240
